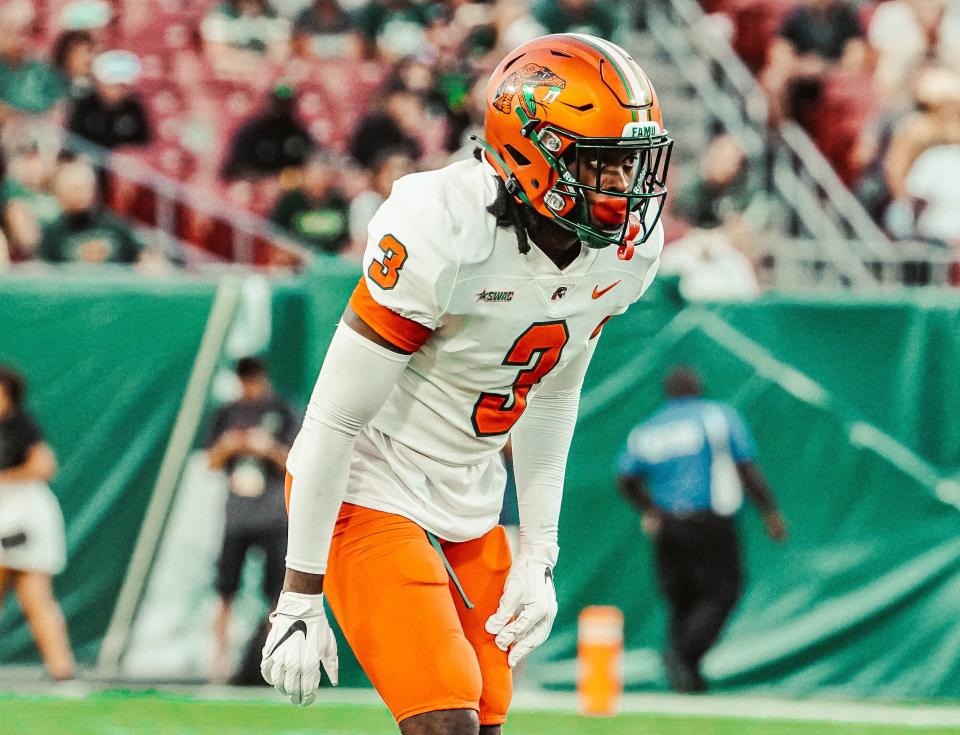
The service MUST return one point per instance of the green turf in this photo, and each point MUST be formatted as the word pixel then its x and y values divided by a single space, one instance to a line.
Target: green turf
pixel 126 714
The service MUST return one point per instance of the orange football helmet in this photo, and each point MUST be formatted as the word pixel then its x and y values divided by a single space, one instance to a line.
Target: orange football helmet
pixel 568 99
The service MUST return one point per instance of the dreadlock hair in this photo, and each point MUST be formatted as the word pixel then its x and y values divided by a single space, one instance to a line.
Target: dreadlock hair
pixel 509 212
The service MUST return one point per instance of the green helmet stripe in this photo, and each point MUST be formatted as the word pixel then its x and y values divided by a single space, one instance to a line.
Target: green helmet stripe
pixel 623 77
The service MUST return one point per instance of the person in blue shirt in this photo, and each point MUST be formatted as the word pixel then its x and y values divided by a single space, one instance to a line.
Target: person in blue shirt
pixel 686 469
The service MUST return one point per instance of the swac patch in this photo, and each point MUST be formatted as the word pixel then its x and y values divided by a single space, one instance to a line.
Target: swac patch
pixel 494 296
pixel 525 81
pixel 559 293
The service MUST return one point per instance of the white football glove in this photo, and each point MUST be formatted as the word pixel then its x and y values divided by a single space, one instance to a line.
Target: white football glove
pixel 300 640
pixel 528 605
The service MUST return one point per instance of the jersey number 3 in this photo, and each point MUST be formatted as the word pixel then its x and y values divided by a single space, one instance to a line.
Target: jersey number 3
pixel 538 349
pixel 387 273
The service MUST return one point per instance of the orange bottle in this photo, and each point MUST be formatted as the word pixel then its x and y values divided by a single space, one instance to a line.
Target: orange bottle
pixel 600 661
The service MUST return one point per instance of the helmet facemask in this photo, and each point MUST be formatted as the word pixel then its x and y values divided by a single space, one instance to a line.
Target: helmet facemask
pixel 618 217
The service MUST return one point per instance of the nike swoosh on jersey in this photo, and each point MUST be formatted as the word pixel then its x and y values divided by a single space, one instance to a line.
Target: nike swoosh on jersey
pixel 298 626
pixel 597 292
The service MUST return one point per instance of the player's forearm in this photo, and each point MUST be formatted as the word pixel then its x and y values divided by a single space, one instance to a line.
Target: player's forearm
pixel 541 444
pixel 756 488
pixel 355 381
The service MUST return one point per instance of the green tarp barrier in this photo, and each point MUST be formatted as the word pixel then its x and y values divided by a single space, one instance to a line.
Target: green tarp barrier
pixel 850 401
pixel 107 360
pixel 860 602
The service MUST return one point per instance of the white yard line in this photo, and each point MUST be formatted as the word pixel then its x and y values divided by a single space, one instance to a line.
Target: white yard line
pixel 722 705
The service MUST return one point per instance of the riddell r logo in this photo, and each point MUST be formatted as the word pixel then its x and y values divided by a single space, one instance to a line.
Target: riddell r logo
pixel 598 292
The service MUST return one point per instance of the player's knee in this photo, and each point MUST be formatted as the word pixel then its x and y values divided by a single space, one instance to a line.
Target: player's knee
pixel 495 702
pixel 442 722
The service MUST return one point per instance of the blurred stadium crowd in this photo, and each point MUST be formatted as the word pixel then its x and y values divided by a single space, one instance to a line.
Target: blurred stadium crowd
pixel 303 114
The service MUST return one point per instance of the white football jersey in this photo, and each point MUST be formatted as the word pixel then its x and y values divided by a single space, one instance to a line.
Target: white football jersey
pixel 503 323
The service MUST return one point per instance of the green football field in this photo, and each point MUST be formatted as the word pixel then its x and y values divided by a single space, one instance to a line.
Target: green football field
pixel 150 714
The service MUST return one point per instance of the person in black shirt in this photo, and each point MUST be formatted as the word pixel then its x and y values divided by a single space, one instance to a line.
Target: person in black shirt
pixel 392 127
pixel 32 543
pixel 816 37
pixel 249 441
pixel 270 141
pixel 112 115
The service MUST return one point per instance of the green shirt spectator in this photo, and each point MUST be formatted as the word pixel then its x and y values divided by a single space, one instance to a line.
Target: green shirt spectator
pixel 594 17
pixel 88 237
pixel 396 26
pixel 320 224
pixel 252 25
pixel 26 84
pixel 84 233
pixel 316 213
pixel 44 207
pixel 721 189
pixel 31 87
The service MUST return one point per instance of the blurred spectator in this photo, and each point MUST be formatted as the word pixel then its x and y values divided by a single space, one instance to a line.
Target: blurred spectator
pixel 27 85
pixel 393 28
pixel 721 188
pixel 511 26
pixel 394 126
pixel 249 440
pixel 112 115
pixel 27 197
pixel 246 25
pixel 84 233
pixel 816 36
pixel 711 267
pixel 873 144
pixel 685 469
pixel 908 33
pixel 73 55
pixel 934 187
pixel 32 541
pixel 442 86
pixel 324 29
pixel 271 141
pixel 595 17
pixel 389 166
pixel 935 127
pixel 718 201
pixel 474 106
pixel 315 213
pixel 93 16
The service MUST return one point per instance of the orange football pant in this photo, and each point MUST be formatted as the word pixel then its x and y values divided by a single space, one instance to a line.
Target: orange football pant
pixel 409 628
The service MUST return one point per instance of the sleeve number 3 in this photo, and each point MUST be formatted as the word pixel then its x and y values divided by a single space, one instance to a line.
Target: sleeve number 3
pixel 538 351
pixel 386 273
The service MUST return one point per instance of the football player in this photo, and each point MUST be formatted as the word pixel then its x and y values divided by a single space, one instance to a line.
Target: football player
pixel 485 287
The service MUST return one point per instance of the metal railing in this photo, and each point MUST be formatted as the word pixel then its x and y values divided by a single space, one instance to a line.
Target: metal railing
pixel 818 204
pixel 784 263
pixel 245 228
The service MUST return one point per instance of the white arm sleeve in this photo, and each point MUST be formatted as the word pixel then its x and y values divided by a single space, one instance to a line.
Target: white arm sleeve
pixel 355 381
pixel 541 443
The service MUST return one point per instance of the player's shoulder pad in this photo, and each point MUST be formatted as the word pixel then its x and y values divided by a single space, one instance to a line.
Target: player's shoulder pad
pixel 459 195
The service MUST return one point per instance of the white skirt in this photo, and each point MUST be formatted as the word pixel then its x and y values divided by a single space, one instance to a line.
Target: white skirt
pixel 32 537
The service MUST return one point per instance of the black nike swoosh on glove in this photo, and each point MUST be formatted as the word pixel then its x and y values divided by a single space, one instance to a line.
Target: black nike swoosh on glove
pixel 298 627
